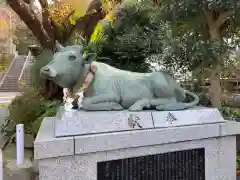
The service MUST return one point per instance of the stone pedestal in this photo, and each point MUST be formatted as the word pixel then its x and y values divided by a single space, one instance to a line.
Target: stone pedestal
pixel 190 144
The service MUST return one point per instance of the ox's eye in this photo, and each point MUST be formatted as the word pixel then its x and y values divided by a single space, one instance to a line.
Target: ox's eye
pixel 72 58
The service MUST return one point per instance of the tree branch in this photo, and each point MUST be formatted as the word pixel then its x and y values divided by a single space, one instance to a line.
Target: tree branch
pixel 46 18
pixel 43 3
pixel 32 22
pixel 86 24
pixel 208 15
pixel 223 17
pixel 26 1
pixel 67 30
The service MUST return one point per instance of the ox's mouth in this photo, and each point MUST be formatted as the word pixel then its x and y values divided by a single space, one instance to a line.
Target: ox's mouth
pixel 46 77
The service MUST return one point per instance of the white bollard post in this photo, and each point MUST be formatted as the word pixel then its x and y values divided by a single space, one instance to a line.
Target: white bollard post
pixel 20 143
pixel 1 165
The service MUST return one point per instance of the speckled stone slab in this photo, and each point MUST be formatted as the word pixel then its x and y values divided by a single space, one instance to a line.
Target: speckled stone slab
pixel 187 117
pixel 75 123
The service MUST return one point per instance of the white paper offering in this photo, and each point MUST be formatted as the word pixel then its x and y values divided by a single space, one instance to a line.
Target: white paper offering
pixel 68 102
pixel 80 99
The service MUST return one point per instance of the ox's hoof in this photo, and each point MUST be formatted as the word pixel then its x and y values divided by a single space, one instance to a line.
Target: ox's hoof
pixel 140 104
pixel 116 106
pixel 171 107
pixel 160 108
pixel 135 108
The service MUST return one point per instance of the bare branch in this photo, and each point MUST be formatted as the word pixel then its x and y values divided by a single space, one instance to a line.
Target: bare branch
pixel 46 21
pixel 223 17
pixel 43 3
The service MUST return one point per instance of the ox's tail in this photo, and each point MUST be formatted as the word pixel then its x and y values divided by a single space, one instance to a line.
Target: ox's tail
pixel 195 99
pixel 178 106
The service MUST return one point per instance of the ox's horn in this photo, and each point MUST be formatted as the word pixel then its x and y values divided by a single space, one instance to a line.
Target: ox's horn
pixel 59 47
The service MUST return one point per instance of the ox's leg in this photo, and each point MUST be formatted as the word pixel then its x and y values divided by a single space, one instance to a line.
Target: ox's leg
pixel 168 92
pixel 177 106
pixel 146 103
pixel 140 104
pixel 103 102
pixel 105 106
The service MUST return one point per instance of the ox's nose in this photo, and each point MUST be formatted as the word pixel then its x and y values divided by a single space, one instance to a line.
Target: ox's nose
pixel 48 72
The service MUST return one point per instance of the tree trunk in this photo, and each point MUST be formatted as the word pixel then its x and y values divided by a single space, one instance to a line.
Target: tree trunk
pixel 215 90
pixel 215 87
pixel 32 22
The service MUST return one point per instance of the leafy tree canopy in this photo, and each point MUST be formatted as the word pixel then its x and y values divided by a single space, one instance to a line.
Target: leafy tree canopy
pixel 202 35
pixel 59 11
pixel 200 30
pixel 127 42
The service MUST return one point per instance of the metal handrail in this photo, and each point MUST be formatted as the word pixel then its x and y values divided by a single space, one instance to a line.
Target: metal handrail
pixel 28 59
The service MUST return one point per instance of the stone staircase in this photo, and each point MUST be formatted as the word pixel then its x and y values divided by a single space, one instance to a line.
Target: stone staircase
pixel 26 74
pixel 10 82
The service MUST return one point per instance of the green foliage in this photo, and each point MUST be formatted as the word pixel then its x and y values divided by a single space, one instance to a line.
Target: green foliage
pixel 23 109
pixel 188 15
pixel 190 42
pixel 127 42
pixel 49 109
pixel 189 51
pixel 41 60
pixel 229 112
pixel 29 109
pixel 176 31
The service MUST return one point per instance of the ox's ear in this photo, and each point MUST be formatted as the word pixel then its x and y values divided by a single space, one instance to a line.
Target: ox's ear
pixel 78 49
pixel 89 58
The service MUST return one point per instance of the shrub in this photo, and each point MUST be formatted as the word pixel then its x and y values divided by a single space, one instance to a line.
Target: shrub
pixel 5 61
pixel 48 109
pixel 230 113
pixel 204 99
pixel 28 109
pixel 41 60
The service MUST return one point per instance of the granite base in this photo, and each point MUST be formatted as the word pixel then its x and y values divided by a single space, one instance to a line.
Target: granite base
pixel 76 157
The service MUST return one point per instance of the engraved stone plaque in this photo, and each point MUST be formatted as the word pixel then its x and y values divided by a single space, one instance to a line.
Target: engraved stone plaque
pixel 75 123
pixel 186 117
pixel 179 165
